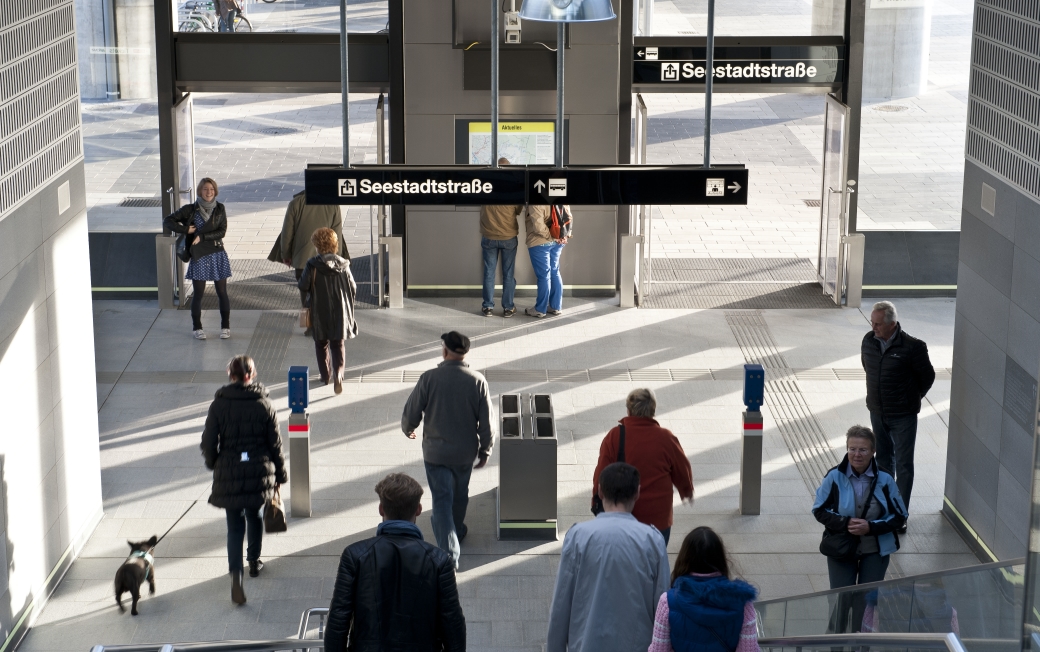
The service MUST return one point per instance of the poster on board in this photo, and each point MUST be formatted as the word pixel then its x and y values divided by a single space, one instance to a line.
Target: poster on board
pixel 523 143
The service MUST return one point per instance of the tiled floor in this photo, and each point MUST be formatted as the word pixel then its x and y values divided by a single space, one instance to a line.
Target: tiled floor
pixel 152 470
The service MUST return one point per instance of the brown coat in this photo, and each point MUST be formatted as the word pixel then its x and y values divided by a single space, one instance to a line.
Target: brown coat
pixel 301 221
pixel 537 221
pixel 499 222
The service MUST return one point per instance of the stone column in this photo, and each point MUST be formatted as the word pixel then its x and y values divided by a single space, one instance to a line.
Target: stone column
pixel 95 28
pixel 896 43
pixel 135 30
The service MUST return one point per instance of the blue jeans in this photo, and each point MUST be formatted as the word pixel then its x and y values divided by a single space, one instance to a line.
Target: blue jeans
pixel 493 250
pixel 450 488
pixel 896 439
pixel 546 262
pixel 239 522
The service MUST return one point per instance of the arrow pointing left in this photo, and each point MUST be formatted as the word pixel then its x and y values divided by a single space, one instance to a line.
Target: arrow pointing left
pixel 640 53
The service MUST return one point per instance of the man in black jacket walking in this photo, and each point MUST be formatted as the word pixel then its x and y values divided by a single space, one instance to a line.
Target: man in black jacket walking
pixel 395 592
pixel 899 374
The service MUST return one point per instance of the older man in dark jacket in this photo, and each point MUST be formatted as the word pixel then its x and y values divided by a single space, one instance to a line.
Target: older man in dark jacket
pixel 395 592
pixel 899 374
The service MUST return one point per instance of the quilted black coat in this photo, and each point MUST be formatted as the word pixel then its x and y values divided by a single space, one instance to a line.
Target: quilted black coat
pixel 242 447
pixel 898 379
pixel 395 594
pixel 332 293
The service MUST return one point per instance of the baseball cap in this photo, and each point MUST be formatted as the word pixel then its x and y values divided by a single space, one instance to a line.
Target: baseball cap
pixel 456 342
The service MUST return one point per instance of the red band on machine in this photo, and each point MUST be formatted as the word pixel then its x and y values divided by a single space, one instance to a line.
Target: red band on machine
pixel 304 427
pixel 747 426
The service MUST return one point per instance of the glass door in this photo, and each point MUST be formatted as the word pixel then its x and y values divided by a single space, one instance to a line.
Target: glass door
pixel 833 222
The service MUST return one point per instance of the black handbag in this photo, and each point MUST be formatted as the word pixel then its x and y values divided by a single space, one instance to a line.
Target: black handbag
pixel 597 502
pixel 183 248
pixel 842 546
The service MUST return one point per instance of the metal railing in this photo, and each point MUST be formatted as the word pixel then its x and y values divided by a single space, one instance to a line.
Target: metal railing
pixel 950 642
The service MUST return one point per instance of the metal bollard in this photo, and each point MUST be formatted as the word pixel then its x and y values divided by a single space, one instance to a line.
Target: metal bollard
pixel 395 273
pixel 629 262
pixel 299 442
pixel 751 441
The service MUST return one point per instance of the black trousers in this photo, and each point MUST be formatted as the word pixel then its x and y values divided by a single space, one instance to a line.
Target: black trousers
pixel 304 294
pixel 330 354
pixel 243 523
pixel 896 440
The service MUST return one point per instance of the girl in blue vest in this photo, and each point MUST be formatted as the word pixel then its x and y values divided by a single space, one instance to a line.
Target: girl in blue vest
pixel 705 610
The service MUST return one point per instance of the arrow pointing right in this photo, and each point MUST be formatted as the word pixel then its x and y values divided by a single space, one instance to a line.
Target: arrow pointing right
pixel 735 187
pixel 539 185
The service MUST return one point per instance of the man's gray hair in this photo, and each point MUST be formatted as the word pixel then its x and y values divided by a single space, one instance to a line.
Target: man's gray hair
pixel 642 403
pixel 889 309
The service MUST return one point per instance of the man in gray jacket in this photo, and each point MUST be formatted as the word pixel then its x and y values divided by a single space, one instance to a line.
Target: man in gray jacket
pixel 453 400
pixel 613 570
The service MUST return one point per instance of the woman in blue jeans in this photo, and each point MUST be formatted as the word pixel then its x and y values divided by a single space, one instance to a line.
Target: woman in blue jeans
pixel 545 251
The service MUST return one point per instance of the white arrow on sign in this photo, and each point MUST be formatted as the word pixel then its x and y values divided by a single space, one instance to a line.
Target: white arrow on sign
pixel 539 185
pixel 735 187
pixel 640 53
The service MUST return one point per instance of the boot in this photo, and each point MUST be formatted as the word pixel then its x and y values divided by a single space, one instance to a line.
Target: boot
pixel 255 567
pixel 238 594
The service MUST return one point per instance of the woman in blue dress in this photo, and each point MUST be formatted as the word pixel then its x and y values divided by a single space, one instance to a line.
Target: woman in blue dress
pixel 206 220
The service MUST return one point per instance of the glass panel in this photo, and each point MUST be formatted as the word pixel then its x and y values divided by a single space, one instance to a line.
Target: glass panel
pixel 983 607
pixel 184 192
pixel 747 18
pixel 278 16
pixel 832 204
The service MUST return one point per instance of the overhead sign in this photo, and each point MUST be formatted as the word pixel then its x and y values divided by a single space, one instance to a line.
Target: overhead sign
pixel 464 185
pixel 676 64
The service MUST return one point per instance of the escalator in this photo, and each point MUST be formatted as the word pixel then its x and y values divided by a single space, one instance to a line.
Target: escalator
pixel 981 604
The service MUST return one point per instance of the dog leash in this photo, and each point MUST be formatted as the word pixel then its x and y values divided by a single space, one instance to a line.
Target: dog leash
pixel 176 522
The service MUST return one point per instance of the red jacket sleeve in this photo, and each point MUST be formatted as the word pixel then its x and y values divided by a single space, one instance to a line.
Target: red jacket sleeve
pixel 682 473
pixel 607 456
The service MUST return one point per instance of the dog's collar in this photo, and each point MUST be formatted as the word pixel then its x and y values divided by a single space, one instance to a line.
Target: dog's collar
pixel 148 560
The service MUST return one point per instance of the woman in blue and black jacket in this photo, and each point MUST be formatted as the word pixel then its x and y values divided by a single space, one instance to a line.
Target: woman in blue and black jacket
pixel 862 500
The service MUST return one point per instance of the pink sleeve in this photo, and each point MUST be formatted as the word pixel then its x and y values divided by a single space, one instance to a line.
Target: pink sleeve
pixel 749 632
pixel 869 623
pixel 955 624
pixel 662 641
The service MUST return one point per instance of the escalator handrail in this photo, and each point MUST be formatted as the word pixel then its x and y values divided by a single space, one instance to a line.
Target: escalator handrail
pixel 995 565
pixel 272 645
pixel 950 642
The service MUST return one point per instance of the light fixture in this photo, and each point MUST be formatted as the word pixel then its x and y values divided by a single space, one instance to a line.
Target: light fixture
pixel 567 11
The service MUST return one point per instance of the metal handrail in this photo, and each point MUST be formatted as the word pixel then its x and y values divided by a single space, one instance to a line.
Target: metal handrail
pixel 950 642
pixel 305 622
pixel 272 645
pixel 869 586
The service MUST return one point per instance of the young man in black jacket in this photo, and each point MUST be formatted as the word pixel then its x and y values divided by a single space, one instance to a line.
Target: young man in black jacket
pixel 395 592
pixel 899 374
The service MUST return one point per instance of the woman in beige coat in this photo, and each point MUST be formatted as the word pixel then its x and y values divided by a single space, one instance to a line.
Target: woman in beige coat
pixel 545 252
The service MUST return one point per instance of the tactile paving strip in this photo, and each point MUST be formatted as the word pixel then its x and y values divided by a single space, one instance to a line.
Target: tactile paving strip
pixel 271 339
pixel 799 427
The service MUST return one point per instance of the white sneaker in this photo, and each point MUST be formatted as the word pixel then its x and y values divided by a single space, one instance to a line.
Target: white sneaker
pixel 199 334
pixel 531 312
pixel 225 333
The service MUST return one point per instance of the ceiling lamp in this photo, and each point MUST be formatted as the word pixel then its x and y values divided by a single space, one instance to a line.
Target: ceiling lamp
pixel 567 11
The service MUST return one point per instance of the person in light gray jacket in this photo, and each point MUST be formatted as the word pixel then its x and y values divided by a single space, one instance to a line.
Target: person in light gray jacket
pixel 613 570
pixel 453 402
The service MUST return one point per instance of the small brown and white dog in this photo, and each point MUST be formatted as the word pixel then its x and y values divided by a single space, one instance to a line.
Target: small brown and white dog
pixel 137 568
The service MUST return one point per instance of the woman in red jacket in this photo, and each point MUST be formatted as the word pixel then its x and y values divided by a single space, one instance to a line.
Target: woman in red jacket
pixel 656 452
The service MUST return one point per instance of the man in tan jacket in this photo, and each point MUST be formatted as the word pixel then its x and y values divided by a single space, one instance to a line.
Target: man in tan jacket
pixel 293 247
pixel 499 231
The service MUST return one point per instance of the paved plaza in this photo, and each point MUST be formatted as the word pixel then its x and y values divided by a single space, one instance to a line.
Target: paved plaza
pixel 155 384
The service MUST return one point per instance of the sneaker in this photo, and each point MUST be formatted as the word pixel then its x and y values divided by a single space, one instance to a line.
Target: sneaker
pixel 199 334
pixel 255 567
pixel 554 313
pixel 487 312
pixel 238 594
pixel 531 312
pixel 225 333
pixel 509 313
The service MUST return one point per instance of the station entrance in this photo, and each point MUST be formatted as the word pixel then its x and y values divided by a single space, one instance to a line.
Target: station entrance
pixel 425 108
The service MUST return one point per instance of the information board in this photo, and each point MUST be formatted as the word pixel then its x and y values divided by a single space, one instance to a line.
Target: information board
pixel 523 143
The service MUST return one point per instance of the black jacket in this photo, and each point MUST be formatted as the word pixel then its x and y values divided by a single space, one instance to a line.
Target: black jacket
pixel 212 233
pixel 899 379
pixel 332 292
pixel 395 593
pixel 242 447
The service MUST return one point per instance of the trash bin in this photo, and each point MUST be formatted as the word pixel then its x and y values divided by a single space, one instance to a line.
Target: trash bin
pixel 527 468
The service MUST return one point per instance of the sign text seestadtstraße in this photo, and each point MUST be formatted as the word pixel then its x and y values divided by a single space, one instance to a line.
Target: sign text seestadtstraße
pixel 772 65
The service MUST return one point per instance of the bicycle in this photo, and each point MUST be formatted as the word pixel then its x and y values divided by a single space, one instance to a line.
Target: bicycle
pixel 201 16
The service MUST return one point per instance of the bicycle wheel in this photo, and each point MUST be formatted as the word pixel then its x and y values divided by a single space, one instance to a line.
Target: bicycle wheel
pixel 269 1
pixel 242 24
